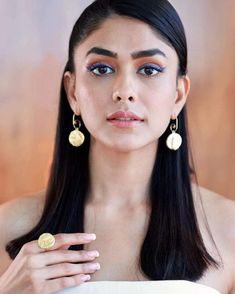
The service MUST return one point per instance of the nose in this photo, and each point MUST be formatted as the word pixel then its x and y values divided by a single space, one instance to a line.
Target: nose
pixel 124 90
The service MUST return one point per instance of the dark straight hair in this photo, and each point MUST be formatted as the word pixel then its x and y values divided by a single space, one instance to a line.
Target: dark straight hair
pixel 173 247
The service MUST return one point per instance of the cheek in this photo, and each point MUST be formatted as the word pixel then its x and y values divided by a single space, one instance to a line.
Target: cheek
pixel 91 102
pixel 161 97
pixel 93 93
pixel 159 103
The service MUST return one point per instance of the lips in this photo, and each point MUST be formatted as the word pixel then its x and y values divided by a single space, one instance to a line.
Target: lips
pixel 125 116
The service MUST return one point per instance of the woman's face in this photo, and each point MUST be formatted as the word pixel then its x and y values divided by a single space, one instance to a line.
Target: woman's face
pixel 145 84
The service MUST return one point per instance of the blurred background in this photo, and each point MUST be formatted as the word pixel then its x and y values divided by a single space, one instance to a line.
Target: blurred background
pixel 33 50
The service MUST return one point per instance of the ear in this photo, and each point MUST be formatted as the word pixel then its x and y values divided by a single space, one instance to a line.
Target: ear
pixel 69 85
pixel 182 91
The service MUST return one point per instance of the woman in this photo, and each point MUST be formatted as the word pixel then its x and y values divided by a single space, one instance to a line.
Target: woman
pixel 123 173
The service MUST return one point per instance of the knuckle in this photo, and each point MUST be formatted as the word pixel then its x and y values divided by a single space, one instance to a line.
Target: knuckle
pixel 85 267
pixel 67 268
pixel 83 254
pixel 60 238
pixel 78 279
pixel 69 255
pixel 80 237
pixel 26 248
pixel 29 261
pixel 66 282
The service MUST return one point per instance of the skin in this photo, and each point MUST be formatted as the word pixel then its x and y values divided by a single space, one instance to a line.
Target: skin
pixel 28 272
pixel 119 177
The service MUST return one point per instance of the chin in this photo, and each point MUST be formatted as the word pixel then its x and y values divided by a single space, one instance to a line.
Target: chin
pixel 125 146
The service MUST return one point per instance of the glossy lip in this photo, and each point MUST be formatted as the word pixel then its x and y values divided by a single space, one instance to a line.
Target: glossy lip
pixel 125 124
pixel 127 114
pixel 122 123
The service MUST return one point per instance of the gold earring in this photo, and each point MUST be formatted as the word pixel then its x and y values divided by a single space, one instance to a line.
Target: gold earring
pixel 76 137
pixel 174 140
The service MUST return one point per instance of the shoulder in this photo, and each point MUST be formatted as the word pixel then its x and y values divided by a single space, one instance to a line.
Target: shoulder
pixel 17 217
pixel 20 215
pixel 220 214
pixel 220 211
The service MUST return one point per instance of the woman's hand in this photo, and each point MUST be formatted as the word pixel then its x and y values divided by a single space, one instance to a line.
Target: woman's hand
pixel 36 270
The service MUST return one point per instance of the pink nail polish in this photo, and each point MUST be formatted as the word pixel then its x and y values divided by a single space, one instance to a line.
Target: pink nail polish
pixel 85 278
pixel 90 237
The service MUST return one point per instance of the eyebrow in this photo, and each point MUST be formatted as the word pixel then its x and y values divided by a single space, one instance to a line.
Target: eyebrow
pixel 134 55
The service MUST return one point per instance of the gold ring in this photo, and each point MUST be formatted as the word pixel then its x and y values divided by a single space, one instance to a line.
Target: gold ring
pixel 46 241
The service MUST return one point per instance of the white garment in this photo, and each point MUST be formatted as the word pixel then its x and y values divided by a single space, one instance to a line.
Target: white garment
pixel 140 287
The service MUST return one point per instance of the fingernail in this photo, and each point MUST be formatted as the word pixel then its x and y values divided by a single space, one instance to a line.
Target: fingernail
pixel 94 266
pixel 90 237
pixel 93 253
pixel 85 278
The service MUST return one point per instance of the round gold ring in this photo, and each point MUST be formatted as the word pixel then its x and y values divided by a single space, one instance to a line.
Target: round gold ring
pixel 46 241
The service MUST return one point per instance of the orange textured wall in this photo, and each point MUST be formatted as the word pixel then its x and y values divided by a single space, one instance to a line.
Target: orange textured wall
pixel 33 51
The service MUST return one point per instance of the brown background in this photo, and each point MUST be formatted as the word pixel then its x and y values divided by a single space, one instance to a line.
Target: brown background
pixel 33 50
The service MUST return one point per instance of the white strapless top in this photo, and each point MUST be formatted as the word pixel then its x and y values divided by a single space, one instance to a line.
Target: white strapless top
pixel 140 287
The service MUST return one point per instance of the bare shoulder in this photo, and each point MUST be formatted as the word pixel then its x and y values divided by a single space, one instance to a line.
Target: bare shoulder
pixel 17 217
pixel 220 214
pixel 220 210
pixel 20 215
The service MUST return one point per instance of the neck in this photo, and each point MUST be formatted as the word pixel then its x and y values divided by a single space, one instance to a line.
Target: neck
pixel 120 179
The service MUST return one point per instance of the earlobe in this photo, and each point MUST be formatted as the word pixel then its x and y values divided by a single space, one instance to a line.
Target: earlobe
pixel 69 86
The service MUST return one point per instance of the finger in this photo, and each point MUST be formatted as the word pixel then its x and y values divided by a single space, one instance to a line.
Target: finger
pixel 60 256
pixel 64 247
pixel 67 269
pixel 61 240
pixel 64 240
pixel 66 282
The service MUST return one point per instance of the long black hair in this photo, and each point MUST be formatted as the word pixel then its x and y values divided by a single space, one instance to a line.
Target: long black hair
pixel 173 247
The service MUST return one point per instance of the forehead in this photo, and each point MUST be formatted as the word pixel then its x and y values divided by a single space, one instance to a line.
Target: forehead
pixel 123 34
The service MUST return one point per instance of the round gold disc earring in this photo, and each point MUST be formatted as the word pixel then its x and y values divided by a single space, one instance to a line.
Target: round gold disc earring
pixel 76 137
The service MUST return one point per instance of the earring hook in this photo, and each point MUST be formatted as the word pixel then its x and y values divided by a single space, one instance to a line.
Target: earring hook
pixel 75 122
pixel 174 127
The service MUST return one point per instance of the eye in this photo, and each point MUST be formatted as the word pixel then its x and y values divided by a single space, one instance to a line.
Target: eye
pixel 100 69
pixel 150 70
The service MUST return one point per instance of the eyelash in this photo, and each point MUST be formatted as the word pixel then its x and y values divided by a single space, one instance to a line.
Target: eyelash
pixel 92 67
